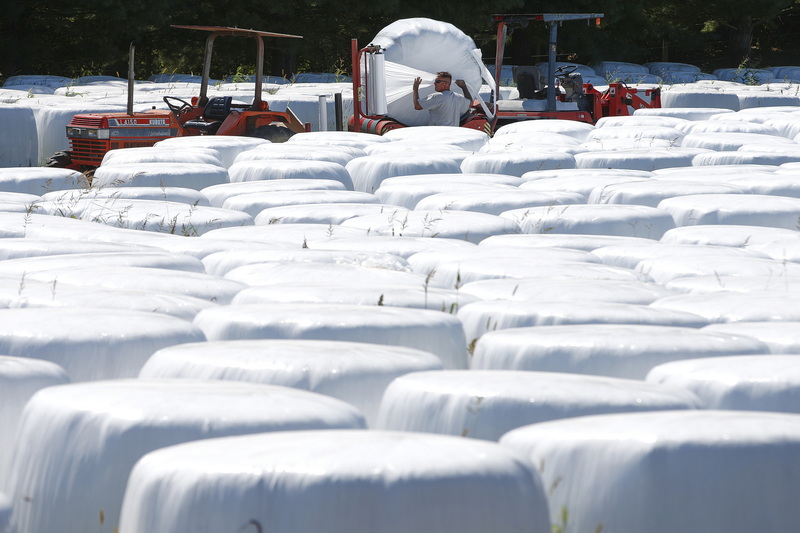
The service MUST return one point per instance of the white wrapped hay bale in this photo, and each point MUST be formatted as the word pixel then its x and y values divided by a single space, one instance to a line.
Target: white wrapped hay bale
pixel 652 192
pixel 322 213
pixel 19 140
pixel 20 378
pixel 782 250
pixel 618 350
pixel 144 259
pixel 40 180
pixel 571 128
pixel 760 99
pixel 354 372
pixel 467 225
pixel 229 146
pixel 683 99
pixel 289 169
pixel 370 292
pixel 486 404
pixel 407 191
pixel 750 383
pixel 727 141
pixel 516 163
pixel 464 138
pixel 642 135
pixel 91 343
pixel 274 273
pixel 688 113
pixel 735 283
pixel 537 141
pixel 727 126
pixel 738 236
pixel 595 219
pixel 573 289
pixel 782 337
pixel 496 202
pixel 353 481
pixel 641 159
pixel 222 262
pixel 669 471
pixel 162 154
pixel 255 202
pixel 103 428
pixel 369 172
pixel 587 243
pixel 190 175
pixel 630 255
pixel 285 235
pixel 395 245
pixel 716 173
pixel 298 151
pixel 418 148
pixel 740 157
pixel 730 306
pixel 432 331
pixel 182 282
pixel 492 315
pixel 733 209
pixel 634 120
pixel 336 138
pixel 217 194
pixel 184 195
pixel 19 247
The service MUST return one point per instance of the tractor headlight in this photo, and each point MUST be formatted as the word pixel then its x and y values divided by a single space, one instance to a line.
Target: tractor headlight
pixel 103 134
pixel 87 133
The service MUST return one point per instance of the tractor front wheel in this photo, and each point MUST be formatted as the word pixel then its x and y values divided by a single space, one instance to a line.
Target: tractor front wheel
pixel 273 133
pixel 61 159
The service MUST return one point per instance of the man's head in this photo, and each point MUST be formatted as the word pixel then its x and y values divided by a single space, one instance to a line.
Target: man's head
pixel 442 81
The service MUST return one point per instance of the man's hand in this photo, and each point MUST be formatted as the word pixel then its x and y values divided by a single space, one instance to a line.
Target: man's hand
pixel 417 81
pixel 415 93
pixel 463 85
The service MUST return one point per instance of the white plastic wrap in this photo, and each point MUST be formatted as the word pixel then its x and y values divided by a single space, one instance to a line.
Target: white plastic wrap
pixel 572 289
pixel 255 202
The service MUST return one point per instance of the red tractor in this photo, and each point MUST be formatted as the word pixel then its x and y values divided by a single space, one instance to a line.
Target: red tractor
pixel 92 135
pixel 562 96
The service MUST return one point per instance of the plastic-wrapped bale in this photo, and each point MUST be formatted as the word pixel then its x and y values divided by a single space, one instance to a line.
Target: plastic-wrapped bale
pixel 433 331
pixel 21 378
pixel 103 428
pixel 465 138
pixel 396 245
pixel 716 173
pixel 759 99
pixel 571 128
pixel 354 372
pixel 369 172
pixel 407 191
pixel 583 185
pixel 728 141
pixel 353 480
pixel 322 213
pixel 782 337
pixel 750 383
pixel 782 250
pixel 255 202
pixel 467 225
pixel 91 343
pixel 286 169
pixel 228 146
pixel 183 195
pixel 741 157
pixel 713 284
pixel 162 154
pixel 617 350
pixel 39 180
pixel 418 148
pixel 217 194
pixel 688 113
pixel 733 209
pixel 222 262
pixel 19 140
pixel 259 274
pixel 420 47
pixel 182 282
pixel 516 163
pixel 361 293
pixel 652 192
pixel 727 126
pixel 666 269
pixel 286 235
pixel 639 136
pixel 728 306
pixel 634 120
pixel 334 138
pixel 536 141
pixel 641 159
pixel 738 236
pixel 297 151
pixel 486 404
pixel 20 247
pixel 573 289
pixel 18 202
pixel 492 315
pixel 576 242
pixel 191 175
pixel 789 126
pixel 708 102
pixel 630 255
pixel 25 266
pixel 594 219
pixel 496 202
pixel 702 470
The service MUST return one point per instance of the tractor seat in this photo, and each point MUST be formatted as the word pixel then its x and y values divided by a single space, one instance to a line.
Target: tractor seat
pixel 217 109
pixel 529 81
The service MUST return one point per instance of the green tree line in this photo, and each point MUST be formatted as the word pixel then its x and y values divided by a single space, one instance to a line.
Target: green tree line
pixel 85 37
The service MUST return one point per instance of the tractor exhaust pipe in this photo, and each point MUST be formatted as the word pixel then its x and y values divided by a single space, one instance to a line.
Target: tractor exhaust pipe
pixel 130 78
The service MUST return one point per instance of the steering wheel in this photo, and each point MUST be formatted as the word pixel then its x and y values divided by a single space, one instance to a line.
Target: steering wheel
pixel 565 70
pixel 177 109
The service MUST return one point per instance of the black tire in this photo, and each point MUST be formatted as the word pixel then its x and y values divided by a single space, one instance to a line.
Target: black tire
pixel 60 160
pixel 273 133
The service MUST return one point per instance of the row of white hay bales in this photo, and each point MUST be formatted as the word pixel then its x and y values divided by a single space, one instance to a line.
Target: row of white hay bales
pixel 603 326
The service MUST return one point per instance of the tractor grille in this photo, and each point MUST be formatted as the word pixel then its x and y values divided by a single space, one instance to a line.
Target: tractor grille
pixel 88 152
pixel 87 121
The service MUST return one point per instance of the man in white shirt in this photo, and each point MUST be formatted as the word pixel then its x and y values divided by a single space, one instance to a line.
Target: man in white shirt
pixel 445 107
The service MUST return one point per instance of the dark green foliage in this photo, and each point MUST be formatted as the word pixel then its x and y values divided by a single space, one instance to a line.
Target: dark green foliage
pixel 83 37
